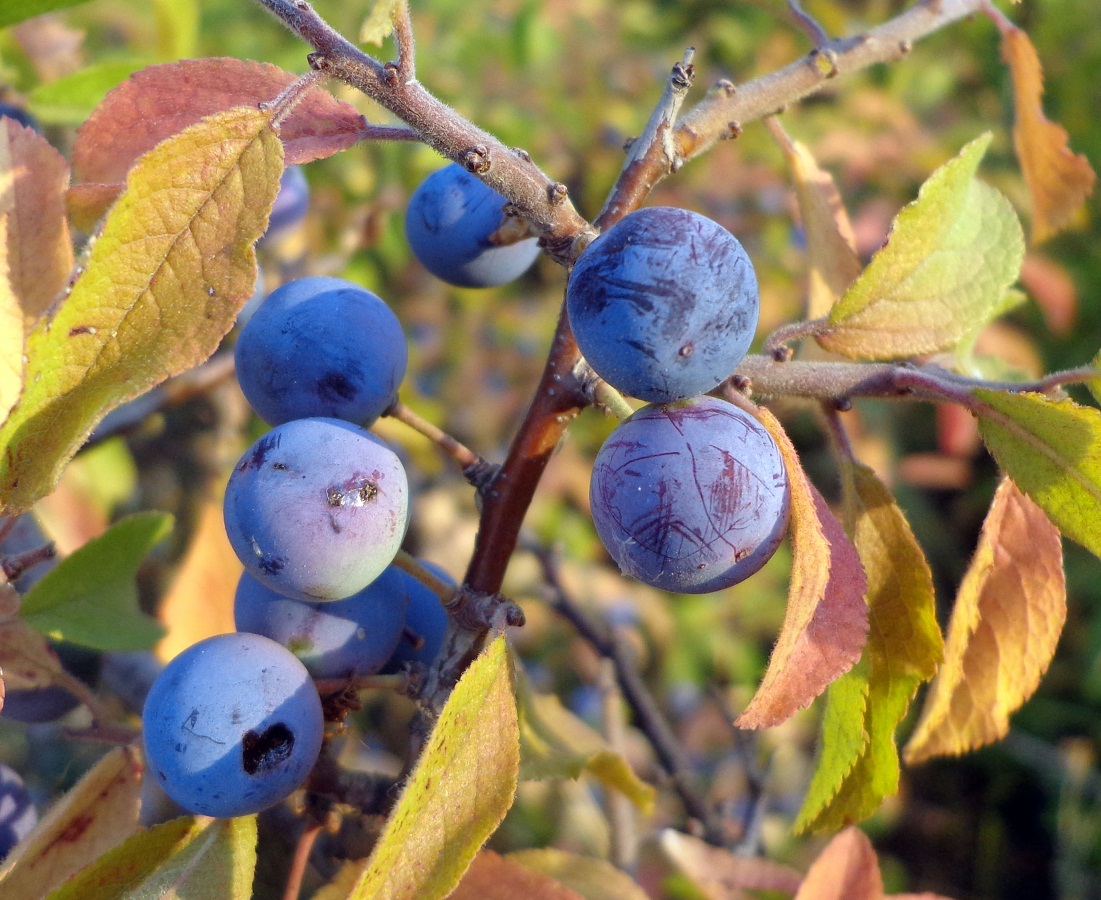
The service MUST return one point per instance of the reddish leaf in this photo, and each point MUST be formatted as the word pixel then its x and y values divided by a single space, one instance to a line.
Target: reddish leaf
pixel 1003 632
pixel 493 877
pixel 846 870
pixel 1058 179
pixel 33 179
pixel 163 100
pixel 826 622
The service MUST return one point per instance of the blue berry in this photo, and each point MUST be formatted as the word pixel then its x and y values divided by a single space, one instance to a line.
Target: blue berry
pixel 8 111
pixel 690 497
pixel 425 618
pixel 448 224
pixel 335 639
pixel 316 509
pixel 664 304
pixel 321 347
pixel 232 725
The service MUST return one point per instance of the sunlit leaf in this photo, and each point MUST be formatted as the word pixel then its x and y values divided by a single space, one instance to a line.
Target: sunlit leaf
pixel 495 877
pixel 199 602
pixel 1058 179
pixel 1052 450
pixel 11 331
pixel 12 11
pixel 90 597
pixel 183 859
pixel 590 878
pixel 33 179
pixel 162 286
pixel 832 263
pixel 858 762
pixel 379 22
pixel 98 813
pixel 718 873
pixel 948 261
pixel 554 743
pixel 1002 635
pixel 845 870
pixel 460 790
pixel 826 621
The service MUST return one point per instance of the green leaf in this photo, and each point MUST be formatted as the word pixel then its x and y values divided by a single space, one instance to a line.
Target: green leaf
pixel 858 762
pixel 186 859
pixel 162 286
pixel 554 743
pixel 12 11
pixel 71 99
pixel 460 790
pixel 177 28
pixel 949 259
pixel 89 598
pixel 379 22
pixel 1052 450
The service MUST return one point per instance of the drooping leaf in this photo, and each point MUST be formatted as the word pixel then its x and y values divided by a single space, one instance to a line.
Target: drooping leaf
pixel 98 813
pixel 826 621
pixel 948 261
pixel 1052 451
pixel 1002 635
pixel 554 743
pixel 461 788
pixel 718 873
pixel 495 877
pixel 11 331
pixel 379 22
pixel 90 598
pixel 199 601
pixel 191 858
pixel 832 263
pixel 13 11
pixel 161 101
pixel 26 659
pixel 70 100
pixel 33 179
pixel 858 763
pixel 162 286
pixel 590 878
pixel 847 869
pixel 1058 180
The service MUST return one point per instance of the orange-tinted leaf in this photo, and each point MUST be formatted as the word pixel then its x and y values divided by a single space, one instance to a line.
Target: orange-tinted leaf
pixel 832 261
pixel 846 870
pixel 1003 631
pixel 199 603
pixel 494 877
pixel 858 762
pixel 826 622
pixel 88 202
pixel 33 179
pixel 1058 180
pixel 717 872
pixel 163 100
pixel 98 813
pixel 593 879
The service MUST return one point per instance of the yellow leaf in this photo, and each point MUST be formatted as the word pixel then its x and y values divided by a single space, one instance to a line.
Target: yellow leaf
pixel 379 22
pixel 1003 631
pixel 199 602
pixel 98 813
pixel 11 329
pixel 858 762
pixel 1058 180
pixel 460 790
pixel 33 181
pixel 826 621
pixel 832 263
pixel 554 743
pixel 162 286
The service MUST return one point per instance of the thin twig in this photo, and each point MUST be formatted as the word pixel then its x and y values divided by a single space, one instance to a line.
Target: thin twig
pixel 648 716
pixel 403 37
pixel 310 830
pixel 809 24
pixel 442 589
pixel 458 451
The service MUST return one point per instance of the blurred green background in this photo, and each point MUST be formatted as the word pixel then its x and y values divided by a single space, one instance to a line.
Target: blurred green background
pixel 569 81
